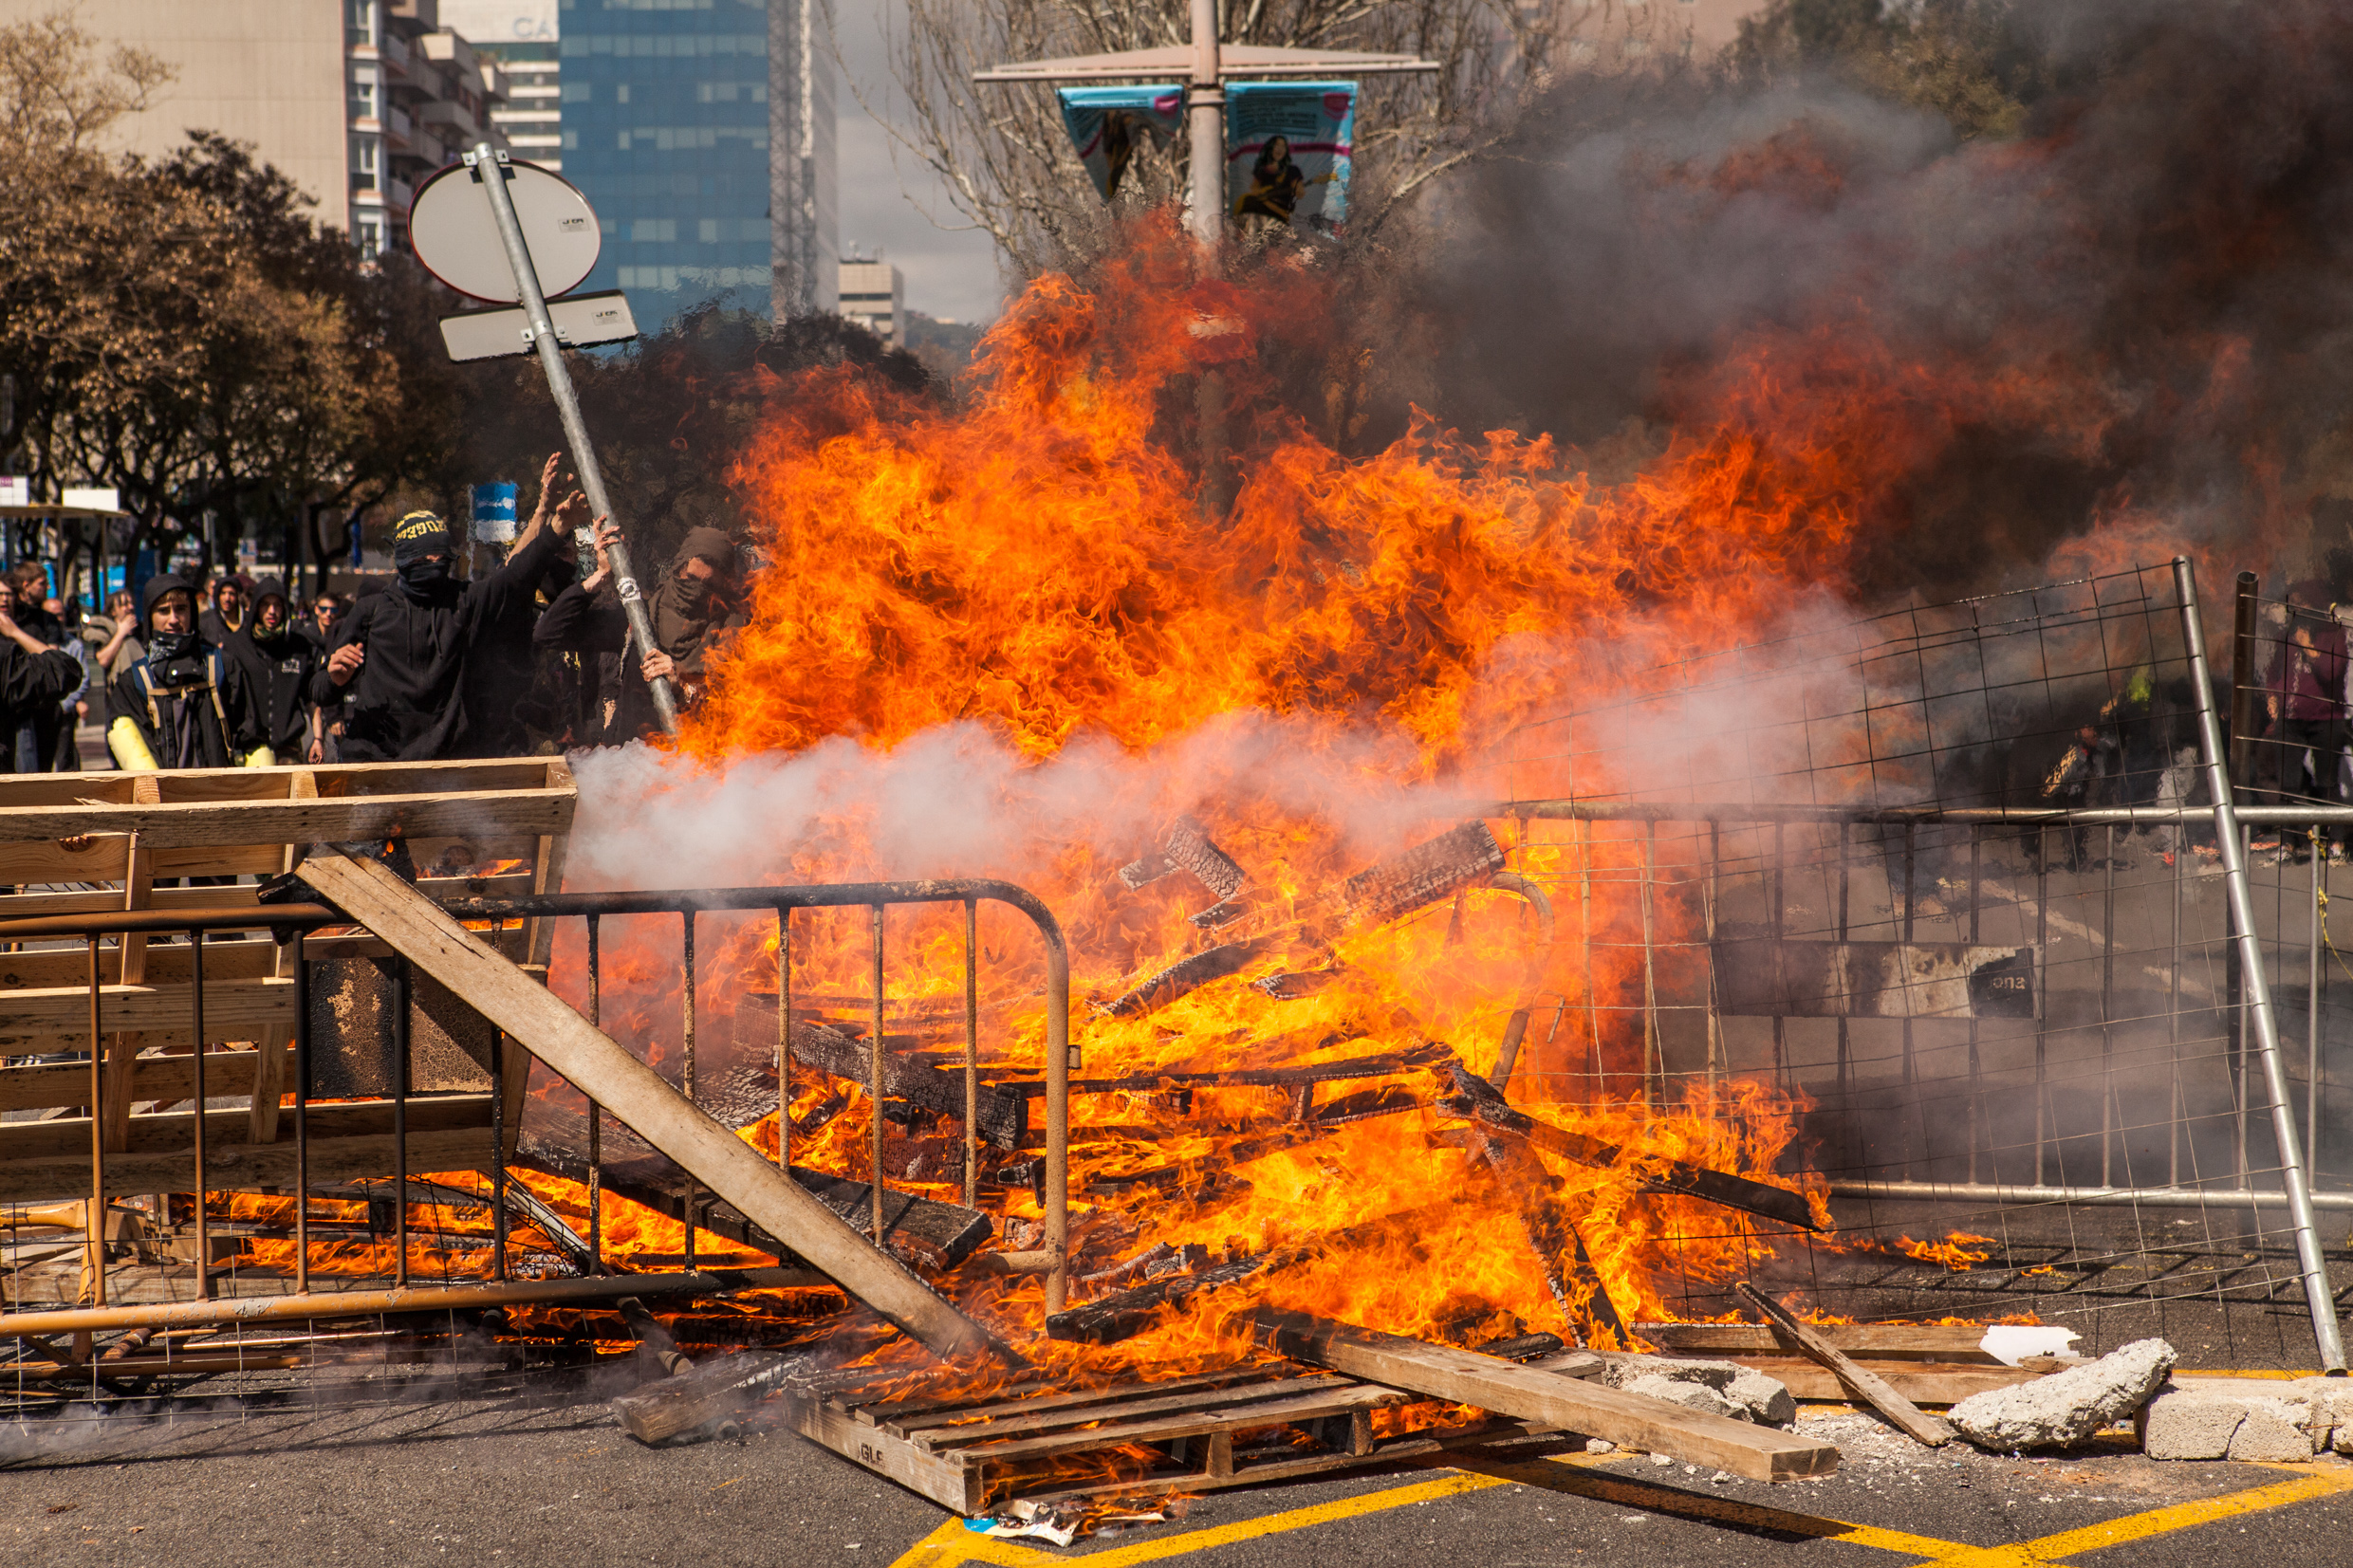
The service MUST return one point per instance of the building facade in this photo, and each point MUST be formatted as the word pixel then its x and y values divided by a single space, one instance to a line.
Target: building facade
pixel 420 94
pixel 521 35
pixel 875 296
pixel 666 131
pixel 353 100
pixel 805 253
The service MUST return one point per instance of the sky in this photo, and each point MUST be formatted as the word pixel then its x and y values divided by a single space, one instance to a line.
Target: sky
pixel 888 205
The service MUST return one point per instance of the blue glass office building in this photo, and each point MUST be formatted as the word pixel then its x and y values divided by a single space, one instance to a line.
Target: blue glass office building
pixel 666 129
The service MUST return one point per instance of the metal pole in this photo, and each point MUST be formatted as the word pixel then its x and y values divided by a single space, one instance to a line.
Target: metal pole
pixel 2317 1293
pixel 972 1052
pixel 94 1232
pixel 302 1117
pixel 596 1112
pixel 2042 1036
pixel 399 1121
pixel 783 1038
pixel 873 1079
pixel 1654 1052
pixel 196 1006
pixel 2107 1016
pixel 568 406
pixel 2312 1008
pixel 1205 122
pixel 1977 1078
pixel 686 963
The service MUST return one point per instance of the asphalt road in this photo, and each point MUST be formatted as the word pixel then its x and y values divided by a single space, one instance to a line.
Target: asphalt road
pixel 520 1471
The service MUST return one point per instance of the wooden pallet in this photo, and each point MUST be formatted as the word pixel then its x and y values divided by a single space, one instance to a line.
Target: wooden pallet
pixel 78 844
pixel 1048 1442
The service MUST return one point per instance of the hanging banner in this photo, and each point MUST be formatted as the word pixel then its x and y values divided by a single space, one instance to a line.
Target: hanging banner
pixel 1288 151
pixel 1107 124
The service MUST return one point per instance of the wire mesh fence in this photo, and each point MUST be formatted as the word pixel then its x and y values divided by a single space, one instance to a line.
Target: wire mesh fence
pixel 1950 877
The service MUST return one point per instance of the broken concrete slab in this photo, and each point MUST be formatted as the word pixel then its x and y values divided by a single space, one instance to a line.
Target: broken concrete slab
pixel 2255 1420
pixel 1715 1374
pixel 2066 1409
pixel 1691 1395
pixel 1741 1391
pixel 1765 1400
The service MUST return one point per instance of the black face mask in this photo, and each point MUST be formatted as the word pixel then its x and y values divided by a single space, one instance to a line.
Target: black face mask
pixel 162 647
pixel 418 579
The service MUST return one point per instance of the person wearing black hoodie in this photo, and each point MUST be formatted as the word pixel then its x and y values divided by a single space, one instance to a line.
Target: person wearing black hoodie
pixel 184 705
pixel 403 653
pixel 699 604
pixel 278 664
pixel 34 677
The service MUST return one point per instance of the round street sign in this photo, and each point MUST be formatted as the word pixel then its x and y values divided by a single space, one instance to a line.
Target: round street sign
pixel 455 236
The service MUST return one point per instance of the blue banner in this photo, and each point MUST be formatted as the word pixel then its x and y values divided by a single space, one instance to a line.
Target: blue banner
pixel 1108 124
pixel 1288 151
pixel 495 509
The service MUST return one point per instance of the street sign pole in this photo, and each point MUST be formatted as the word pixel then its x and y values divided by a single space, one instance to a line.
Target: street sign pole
pixel 1205 119
pixel 489 168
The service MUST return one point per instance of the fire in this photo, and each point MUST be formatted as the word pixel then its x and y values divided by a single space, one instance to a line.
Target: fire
pixel 1038 567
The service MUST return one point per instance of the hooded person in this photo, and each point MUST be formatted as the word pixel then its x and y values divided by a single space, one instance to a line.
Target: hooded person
pixel 278 664
pixel 34 677
pixel 183 704
pixel 403 653
pixel 699 604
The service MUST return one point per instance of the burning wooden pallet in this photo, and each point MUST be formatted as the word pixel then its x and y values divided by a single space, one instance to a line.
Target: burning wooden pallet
pixel 1045 1443
pixel 83 844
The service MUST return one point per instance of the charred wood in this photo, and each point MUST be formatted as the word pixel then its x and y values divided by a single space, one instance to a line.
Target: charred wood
pixel 1184 843
pixel 700 1402
pixel 1184 977
pixel 1256 1078
pixel 1475 1099
pixel 1425 873
pixel 1552 1232
pixel 1295 987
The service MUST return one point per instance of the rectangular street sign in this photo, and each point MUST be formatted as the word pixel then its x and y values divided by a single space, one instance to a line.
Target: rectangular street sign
pixel 580 320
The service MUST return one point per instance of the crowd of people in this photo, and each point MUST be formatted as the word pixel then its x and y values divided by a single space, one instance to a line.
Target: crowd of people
pixel 525 658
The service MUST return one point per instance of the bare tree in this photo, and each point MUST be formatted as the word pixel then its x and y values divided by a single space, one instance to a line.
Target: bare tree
pixel 1010 169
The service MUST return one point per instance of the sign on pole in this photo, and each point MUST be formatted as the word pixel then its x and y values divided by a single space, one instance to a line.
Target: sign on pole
pixel 579 321
pixel 460 243
pixel 495 507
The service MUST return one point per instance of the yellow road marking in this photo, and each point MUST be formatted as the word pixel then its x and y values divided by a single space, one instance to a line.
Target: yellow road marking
pixel 1554 1476
pixel 951 1544
pixel 2156 1522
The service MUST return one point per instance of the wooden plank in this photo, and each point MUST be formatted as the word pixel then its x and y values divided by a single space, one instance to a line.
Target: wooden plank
pixel 29 906
pixel 233 784
pixel 52 1084
pixel 948 1482
pixel 341 819
pixel 637 1096
pixel 1869 1386
pixel 903 1418
pixel 1564 1404
pixel 943 1433
pixel 164 1132
pixel 1921 1382
pixel 1879 1341
pixel 97 859
pixel 675 1408
pixel 38 1022
pixel 1339 1398
pixel 231 1167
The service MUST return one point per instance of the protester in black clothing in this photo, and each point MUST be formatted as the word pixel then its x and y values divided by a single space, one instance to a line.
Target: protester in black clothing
pixel 228 614
pixel 34 677
pixel 402 653
pixel 41 737
pixel 318 626
pixel 184 705
pixel 501 668
pixel 278 665
pixel 699 604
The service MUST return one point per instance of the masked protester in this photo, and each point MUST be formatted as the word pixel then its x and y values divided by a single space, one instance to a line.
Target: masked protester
pixel 278 664
pixel 34 677
pixel 403 653
pixel 183 704
pixel 699 604
pixel 502 668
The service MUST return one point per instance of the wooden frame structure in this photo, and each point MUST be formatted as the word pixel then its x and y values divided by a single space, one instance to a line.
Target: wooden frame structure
pixel 78 844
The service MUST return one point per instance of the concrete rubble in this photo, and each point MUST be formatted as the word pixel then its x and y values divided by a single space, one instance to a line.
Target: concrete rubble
pixel 2066 1409
pixel 2255 1420
pixel 1719 1388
